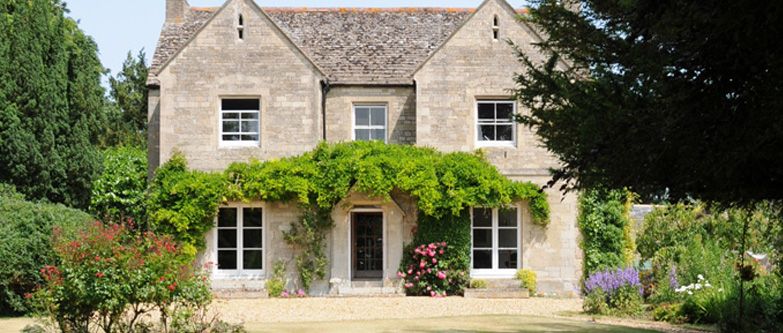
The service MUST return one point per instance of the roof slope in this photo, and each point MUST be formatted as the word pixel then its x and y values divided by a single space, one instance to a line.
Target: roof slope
pixel 353 46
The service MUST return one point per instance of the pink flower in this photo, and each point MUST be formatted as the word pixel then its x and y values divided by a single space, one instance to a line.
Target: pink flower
pixel 429 270
pixel 300 293
pixel 99 275
pixel 441 276
pixel 284 294
pixel 422 264
pixel 443 244
pixel 440 252
pixel 434 261
pixel 401 274
pixel 432 294
pixel 432 246
pixel 416 278
pixel 410 271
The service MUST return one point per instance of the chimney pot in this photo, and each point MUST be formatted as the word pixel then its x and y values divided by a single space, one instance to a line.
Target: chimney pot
pixel 176 10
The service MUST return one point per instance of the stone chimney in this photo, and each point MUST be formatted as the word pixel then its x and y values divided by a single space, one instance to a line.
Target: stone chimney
pixel 176 10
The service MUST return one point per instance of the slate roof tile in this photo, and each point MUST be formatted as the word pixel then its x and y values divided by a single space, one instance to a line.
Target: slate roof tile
pixel 351 45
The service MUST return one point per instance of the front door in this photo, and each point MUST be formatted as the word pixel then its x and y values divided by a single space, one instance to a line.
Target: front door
pixel 367 245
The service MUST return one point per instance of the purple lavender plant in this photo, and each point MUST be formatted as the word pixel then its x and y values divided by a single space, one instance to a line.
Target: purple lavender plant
pixel 673 283
pixel 609 281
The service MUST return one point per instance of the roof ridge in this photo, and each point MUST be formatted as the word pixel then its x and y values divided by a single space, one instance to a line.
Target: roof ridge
pixel 363 9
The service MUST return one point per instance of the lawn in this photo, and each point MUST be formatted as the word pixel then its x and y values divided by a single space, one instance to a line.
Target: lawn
pixel 489 324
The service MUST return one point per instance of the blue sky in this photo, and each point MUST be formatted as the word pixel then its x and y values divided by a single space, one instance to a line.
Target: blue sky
pixel 119 26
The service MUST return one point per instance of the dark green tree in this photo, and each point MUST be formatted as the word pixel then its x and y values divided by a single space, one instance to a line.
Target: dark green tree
pixel 664 97
pixel 128 112
pixel 50 102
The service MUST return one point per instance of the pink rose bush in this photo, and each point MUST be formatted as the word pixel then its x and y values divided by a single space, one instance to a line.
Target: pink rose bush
pixel 427 274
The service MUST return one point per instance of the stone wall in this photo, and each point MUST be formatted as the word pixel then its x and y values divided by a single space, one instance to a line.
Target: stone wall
pixel 472 66
pixel 401 111
pixel 216 64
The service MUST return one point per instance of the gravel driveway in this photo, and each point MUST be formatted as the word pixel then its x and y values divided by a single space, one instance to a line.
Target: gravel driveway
pixel 341 309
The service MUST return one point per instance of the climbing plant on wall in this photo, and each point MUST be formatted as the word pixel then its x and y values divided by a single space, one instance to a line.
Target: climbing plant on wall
pixel 184 202
pixel 605 224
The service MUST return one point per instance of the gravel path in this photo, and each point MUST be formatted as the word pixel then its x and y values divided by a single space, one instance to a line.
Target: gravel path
pixel 322 310
pixel 341 309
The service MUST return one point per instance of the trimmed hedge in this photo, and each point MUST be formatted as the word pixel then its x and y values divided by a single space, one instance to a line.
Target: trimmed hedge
pixel 26 228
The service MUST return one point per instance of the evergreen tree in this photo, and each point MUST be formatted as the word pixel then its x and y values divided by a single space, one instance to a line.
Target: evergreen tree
pixel 50 102
pixel 128 112
pixel 673 97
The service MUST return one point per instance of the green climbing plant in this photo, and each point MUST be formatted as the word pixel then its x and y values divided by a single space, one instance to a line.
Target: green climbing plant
pixel 184 203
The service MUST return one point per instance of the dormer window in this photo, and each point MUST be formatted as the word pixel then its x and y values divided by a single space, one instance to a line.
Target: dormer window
pixel 241 27
pixel 495 28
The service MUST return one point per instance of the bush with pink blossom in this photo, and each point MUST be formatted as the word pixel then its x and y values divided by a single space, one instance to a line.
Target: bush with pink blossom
pixel 425 273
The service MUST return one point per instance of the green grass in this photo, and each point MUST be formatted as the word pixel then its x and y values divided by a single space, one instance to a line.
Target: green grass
pixel 485 324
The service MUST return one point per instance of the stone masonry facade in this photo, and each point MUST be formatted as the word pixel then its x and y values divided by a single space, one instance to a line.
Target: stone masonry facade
pixel 310 68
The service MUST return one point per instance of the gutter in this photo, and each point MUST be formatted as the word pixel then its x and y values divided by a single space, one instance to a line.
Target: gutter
pixel 325 87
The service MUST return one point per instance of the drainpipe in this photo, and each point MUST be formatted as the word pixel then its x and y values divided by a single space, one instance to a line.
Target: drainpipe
pixel 325 87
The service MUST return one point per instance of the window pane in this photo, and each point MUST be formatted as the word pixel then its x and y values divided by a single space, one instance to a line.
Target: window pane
pixel 486 111
pixel 482 238
pixel 227 238
pixel 507 259
pixel 362 135
pixel 505 133
pixel 379 134
pixel 230 115
pixel 482 217
pixel 249 126
pixel 378 116
pixel 507 217
pixel 227 259
pixel 250 138
pixel 252 238
pixel 230 126
pixel 252 217
pixel 507 238
pixel 252 260
pixel 505 111
pixel 250 115
pixel 486 133
pixel 362 116
pixel 231 138
pixel 227 217
pixel 482 259
pixel 241 104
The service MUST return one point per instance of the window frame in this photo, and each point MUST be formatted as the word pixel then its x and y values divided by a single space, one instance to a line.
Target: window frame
pixel 495 143
pixel 370 127
pixel 496 272
pixel 240 143
pixel 240 272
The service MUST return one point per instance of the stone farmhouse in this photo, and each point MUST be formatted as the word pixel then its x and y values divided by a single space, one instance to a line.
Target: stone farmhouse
pixel 244 81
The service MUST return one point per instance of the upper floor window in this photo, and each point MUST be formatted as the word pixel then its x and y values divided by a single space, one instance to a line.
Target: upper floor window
pixel 240 240
pixel 495 28
pixel 240 122
pixel 495 123
pixel 369 122
pixel 241 27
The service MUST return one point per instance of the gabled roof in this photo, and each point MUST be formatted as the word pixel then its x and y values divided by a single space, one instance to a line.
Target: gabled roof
pixel 367 46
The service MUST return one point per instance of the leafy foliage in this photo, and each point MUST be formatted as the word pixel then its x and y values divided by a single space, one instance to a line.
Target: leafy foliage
pixel 700 244
pixel 50 103
pixel 112 278
pixel 605 226
pixel 657 97
pixel 26 230
pixel 275 285
pixel 425 273
pixel 184 203
pixel 127 112
pixel 527 280
pixel 613 292
pixel 118 192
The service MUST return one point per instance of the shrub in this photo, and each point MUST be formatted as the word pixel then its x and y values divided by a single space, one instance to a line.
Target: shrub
pixel 478 284
pixel 427 275
pixel 275 285
pixel 118 193
pixel 455 231
pixel 26 229
pixel 111 279
pixel 669 313
pixel 620 290
pixel 527 280
pixel 605 225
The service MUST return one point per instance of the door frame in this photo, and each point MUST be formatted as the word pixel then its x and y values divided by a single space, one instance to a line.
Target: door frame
pixel 350 239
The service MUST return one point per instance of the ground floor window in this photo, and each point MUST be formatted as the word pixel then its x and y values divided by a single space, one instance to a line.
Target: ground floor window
pixel 240 240
pixel 496 238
